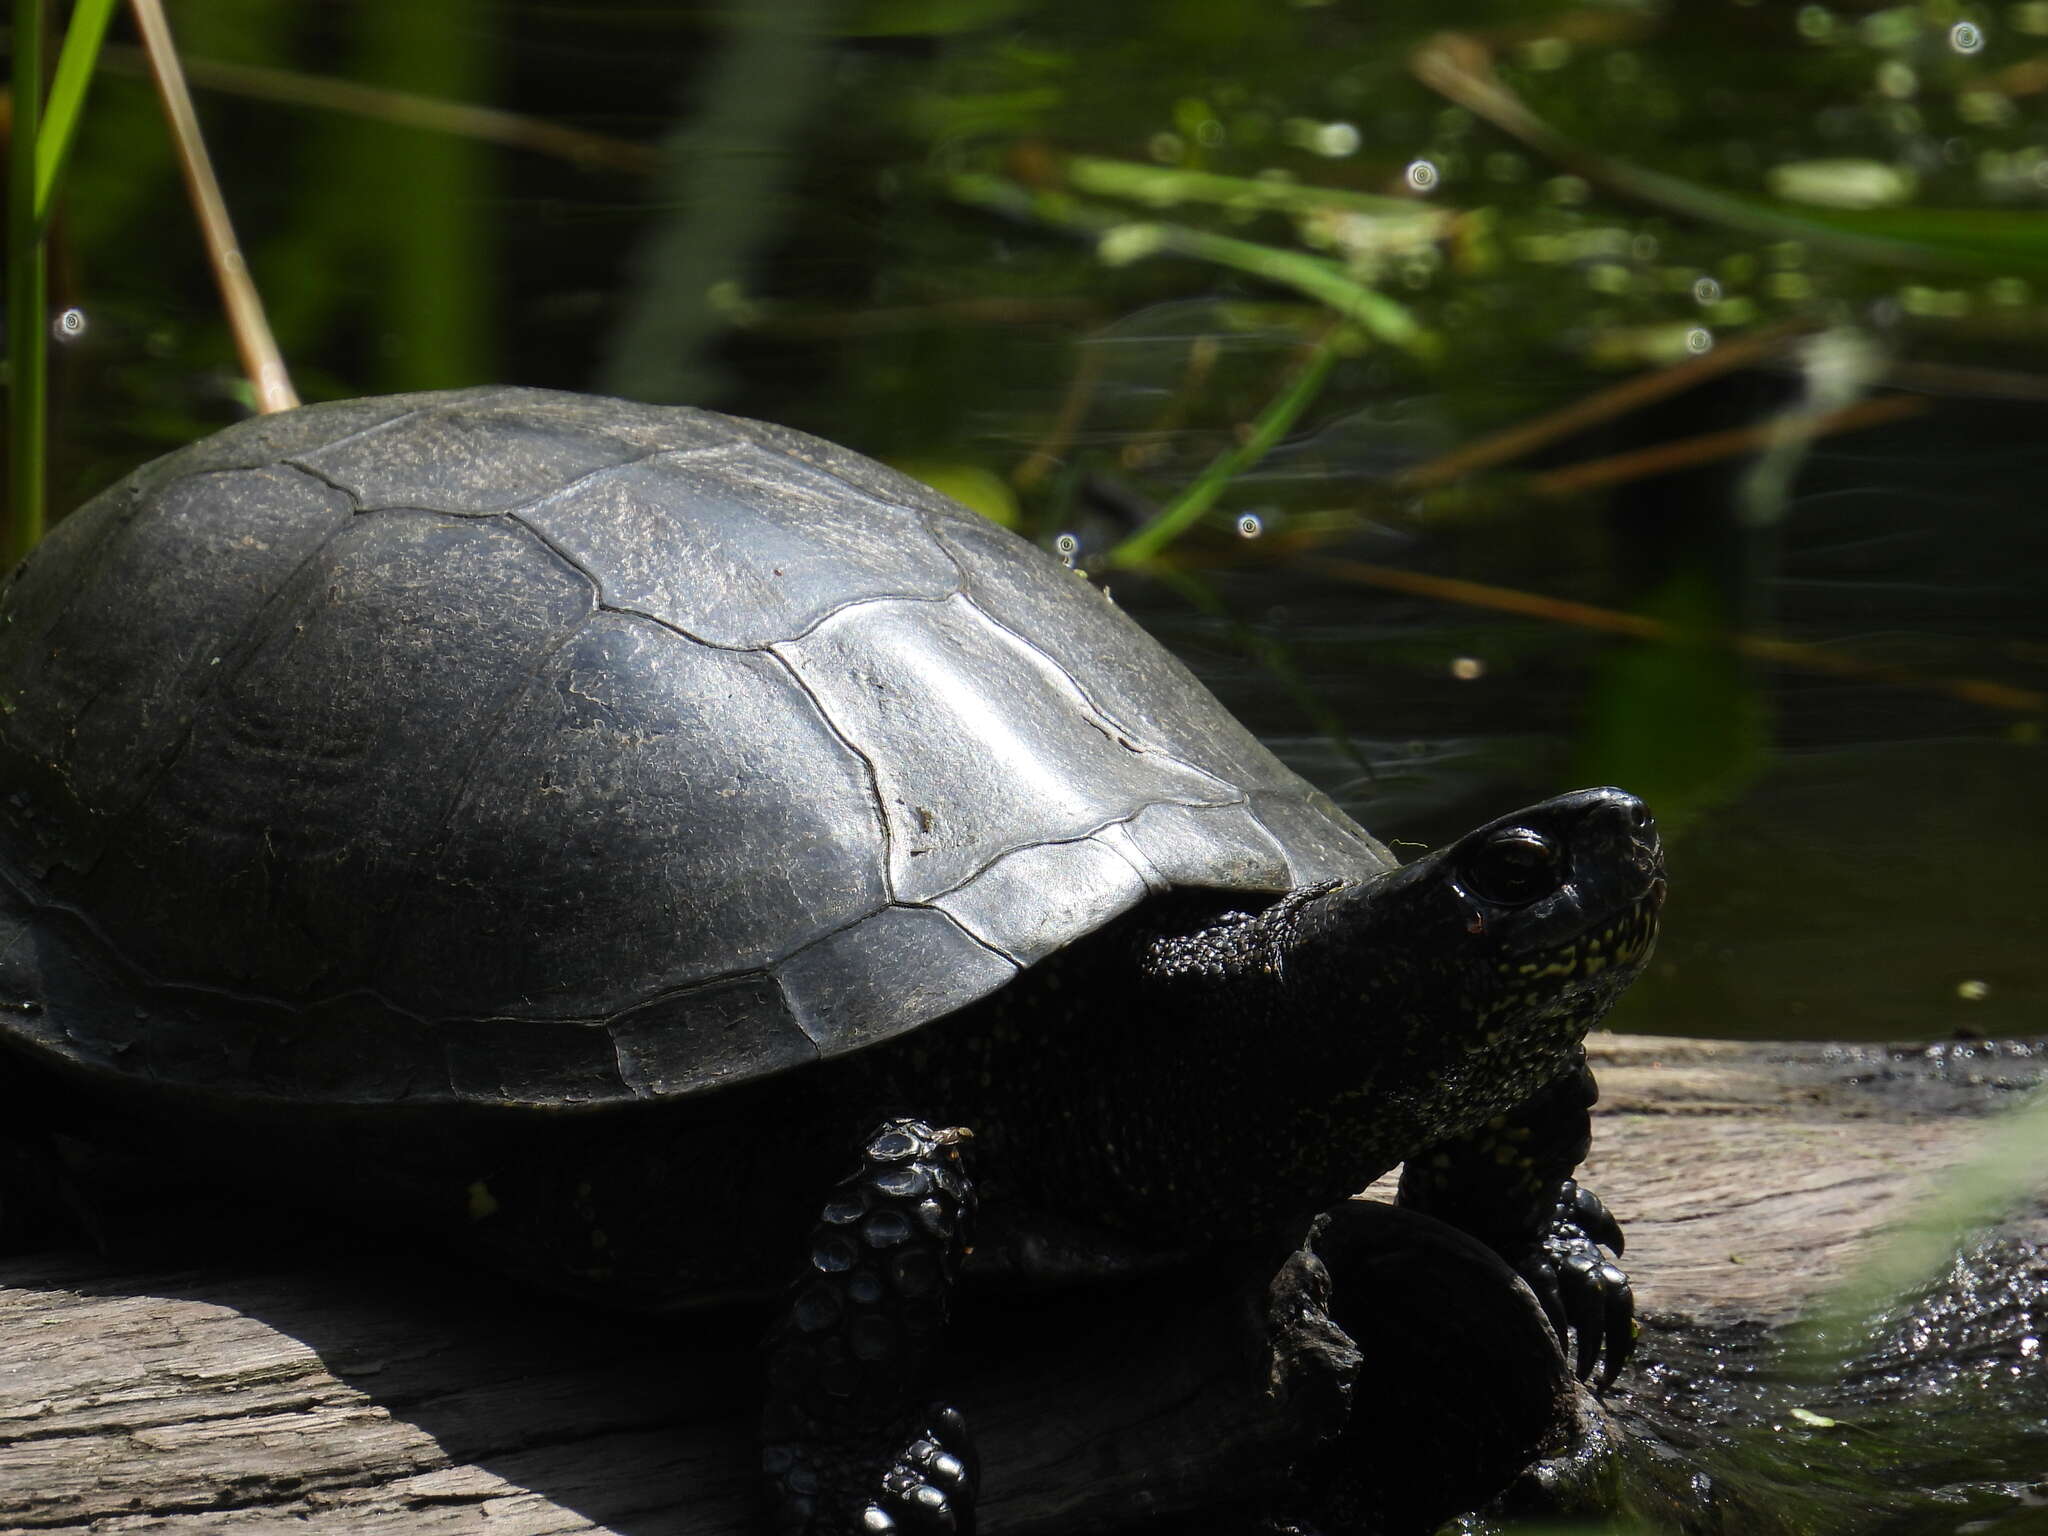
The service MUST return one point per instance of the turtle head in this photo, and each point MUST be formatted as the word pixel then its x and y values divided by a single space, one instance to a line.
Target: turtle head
pixel 1480 965
pixel 1558 903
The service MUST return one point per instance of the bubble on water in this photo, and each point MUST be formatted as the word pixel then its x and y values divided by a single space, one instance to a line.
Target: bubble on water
pixel 1706 291
pixel 1699 340
pixel 1249 526
pixel 1068 548
pixel 1965 37
pixel 1422 175
pixel 69 325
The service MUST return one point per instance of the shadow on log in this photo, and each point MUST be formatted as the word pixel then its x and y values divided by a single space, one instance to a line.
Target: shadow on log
pixel 1384 1378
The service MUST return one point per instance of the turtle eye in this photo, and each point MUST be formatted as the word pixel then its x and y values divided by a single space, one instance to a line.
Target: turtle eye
pixel 1512 867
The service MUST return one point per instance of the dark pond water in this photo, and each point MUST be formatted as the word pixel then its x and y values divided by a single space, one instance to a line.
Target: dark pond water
pixel 1063 258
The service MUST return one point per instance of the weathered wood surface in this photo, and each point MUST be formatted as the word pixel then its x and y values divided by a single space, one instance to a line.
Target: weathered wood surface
pixel 374 1393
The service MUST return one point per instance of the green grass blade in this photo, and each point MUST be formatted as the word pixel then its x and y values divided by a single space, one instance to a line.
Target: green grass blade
pixel 1164 186
pixel 1996 242
pixel 1199 497
pixel 59 124
pixel 1119 241
pixel 1382 318
pixel 27 281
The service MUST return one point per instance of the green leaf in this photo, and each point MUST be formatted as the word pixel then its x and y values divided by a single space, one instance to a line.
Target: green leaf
pixel 57 130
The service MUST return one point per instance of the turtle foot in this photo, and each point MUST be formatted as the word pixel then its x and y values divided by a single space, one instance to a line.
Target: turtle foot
pixel 844 1449
pixel 1584 1292
pixel 828 1486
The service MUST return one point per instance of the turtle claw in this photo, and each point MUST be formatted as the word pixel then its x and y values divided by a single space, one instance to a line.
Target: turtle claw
pixel 1583 1292
pixel 943 1456
pixel 930 1489
pixel 925 1489
pixel 1620 1340
pixel 1588 1212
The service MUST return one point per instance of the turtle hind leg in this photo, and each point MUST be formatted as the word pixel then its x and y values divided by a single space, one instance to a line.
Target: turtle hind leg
pixel 849 1441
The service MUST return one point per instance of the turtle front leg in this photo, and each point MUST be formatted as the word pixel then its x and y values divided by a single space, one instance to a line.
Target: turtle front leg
pixel 1510 1184
pixel 850 1442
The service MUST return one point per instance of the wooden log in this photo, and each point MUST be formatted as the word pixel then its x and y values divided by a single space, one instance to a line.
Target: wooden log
pixel 1751 1177
pixel 369 1390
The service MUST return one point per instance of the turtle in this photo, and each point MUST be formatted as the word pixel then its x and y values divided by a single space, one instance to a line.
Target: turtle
pixel 679 859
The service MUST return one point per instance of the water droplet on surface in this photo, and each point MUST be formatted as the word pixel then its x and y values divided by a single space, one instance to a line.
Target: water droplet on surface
pixel 1068 548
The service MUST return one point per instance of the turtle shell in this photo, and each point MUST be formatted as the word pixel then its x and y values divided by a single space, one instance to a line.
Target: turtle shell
pixel 514 747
